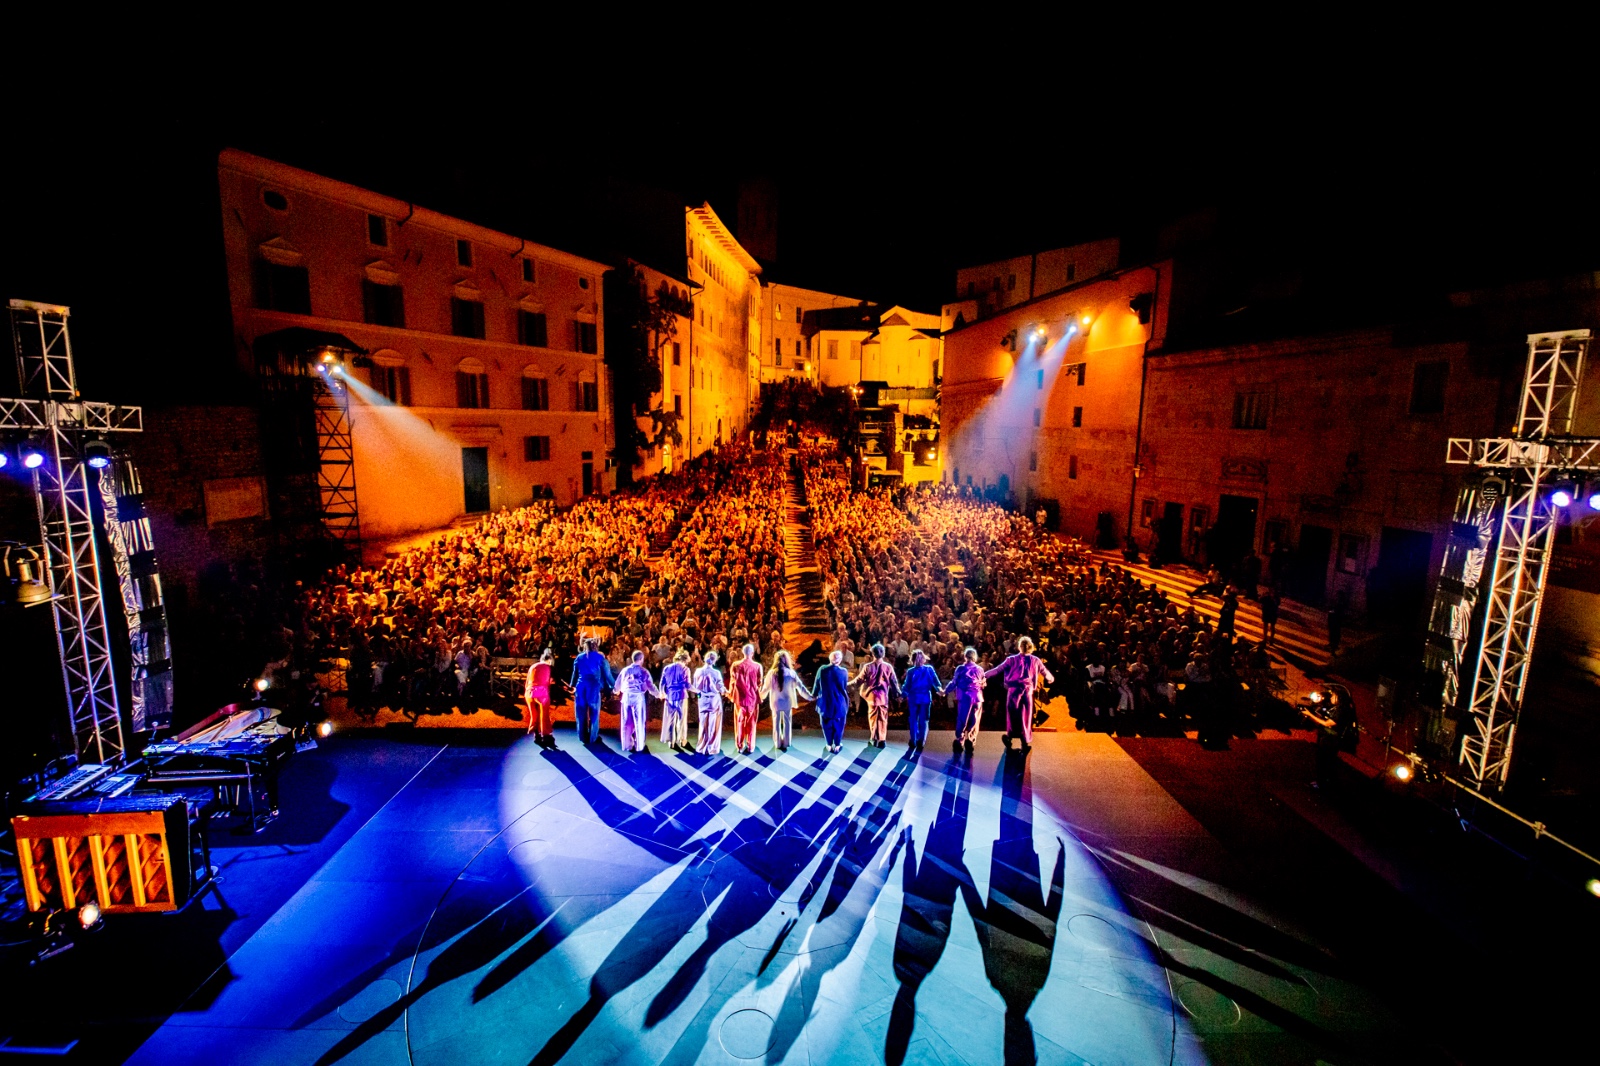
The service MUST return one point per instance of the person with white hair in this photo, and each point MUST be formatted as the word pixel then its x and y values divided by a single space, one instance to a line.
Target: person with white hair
pixel 708 690
pixel 784 691
pixel 877 679
pixel 636 686
pixel 674 709
pixel 967 682
pixel 832 688
pixel 920 685
pixel 744 682
pixel 1022 672
pixel 591 673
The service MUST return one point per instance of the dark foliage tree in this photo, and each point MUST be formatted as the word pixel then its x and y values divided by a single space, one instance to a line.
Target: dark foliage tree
pixel 639 327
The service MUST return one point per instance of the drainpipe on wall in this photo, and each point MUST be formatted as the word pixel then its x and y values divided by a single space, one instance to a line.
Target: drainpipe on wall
pixel 1138 427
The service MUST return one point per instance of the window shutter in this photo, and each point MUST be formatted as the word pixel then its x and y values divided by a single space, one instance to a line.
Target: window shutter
pixel 404 375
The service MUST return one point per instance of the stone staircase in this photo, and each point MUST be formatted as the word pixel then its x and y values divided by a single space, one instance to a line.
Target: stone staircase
pixel 802 594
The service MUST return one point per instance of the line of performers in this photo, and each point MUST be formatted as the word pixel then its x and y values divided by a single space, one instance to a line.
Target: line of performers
pixel 781 686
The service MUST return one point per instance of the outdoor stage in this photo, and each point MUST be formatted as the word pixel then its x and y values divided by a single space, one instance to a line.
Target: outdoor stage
pixel 508 905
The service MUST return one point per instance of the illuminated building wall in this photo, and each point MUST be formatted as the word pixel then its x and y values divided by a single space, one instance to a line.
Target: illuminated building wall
pixel 479 340
pixel 673 395
pixel 786 350
pixel 990 288
pixel 722 346
pixel 1049 402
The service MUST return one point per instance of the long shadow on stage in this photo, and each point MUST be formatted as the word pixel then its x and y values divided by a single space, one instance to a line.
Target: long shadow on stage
pixel 722 866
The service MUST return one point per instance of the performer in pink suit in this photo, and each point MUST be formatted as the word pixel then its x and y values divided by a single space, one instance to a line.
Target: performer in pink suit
pixel 745 688
pixel 877 679
pixel 1022 672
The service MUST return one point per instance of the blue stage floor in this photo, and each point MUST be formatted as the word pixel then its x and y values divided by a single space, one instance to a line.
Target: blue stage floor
pixel 582 906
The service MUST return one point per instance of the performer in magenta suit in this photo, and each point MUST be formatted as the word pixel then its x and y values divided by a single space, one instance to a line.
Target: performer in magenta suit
pixel 968 683
pixel 1022 672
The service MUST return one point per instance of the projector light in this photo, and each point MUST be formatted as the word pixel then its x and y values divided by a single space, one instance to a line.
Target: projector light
pixel 90 916
pixel 1561 498
pixel 1594 498
pixel 32 454
pixel 97 453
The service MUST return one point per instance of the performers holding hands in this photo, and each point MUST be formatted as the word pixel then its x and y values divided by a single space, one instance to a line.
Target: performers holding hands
pixel 784 691
pixel 877 679
pixel 968 683
pixel 635 685
pixel 1022 673
pixel 674 712
pixel 922 681
pixel 745 688
pixel 708 691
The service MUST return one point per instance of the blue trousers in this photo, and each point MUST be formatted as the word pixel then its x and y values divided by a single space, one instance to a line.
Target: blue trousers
pixel 919 719
pixel 586 703
pixel 832 723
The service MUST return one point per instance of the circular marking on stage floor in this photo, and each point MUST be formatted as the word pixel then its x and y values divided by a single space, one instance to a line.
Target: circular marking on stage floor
pixel 529 851
pixel 1206 1005
pixel 1095 931
pixel 747 1034
pixel 370 1000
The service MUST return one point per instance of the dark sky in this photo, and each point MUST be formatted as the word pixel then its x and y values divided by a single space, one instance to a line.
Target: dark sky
pixel 881 196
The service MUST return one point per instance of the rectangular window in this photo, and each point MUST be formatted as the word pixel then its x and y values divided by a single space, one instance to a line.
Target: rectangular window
pixel 1351 548
pixel 1072 271
pixel 1040 381
pixel 1077 417
pixel 972 288
pixel 1427 387
pixel 531 329
pixel 1075 371
pixel 377 231
pixel 1250 409
pixel 1072 466
pixel 472 390
pixel 383 305
pixel 464 253
pixel 1147 513
pixel 833 349
pixel 677 404
pixel 528 274
pixel 466 318
pixel 536 449
pixel 394 382
pixel 799 353
pixel 677 354
pixel 777 352
pixel 588 396
pixel 283 288
pixel 1033 460
pixel 1011 282
pixel 586 336
pixel 1037 416
pixel 535 394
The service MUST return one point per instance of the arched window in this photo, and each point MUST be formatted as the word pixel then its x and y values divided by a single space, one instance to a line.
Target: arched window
pixel 472 383
pixel 391 376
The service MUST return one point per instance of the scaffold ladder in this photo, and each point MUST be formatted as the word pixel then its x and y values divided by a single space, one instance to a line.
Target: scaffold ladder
pixel 1525 468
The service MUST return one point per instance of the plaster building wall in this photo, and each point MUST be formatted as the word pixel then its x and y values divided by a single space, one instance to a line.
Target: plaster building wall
pixel 786 350
pixel 1055 417
pixel 722 345
pixel 1006 283
pixel 1332 447
pixel 403 282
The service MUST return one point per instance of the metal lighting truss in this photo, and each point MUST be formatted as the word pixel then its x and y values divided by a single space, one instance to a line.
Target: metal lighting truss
pixel 1541 450
pixel 64 486
pixel 133 558
pixel 336 459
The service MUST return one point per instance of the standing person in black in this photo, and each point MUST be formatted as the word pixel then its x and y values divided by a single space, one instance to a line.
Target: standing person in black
pixel 1270 603
pixel 1336 622
pixel 1230 608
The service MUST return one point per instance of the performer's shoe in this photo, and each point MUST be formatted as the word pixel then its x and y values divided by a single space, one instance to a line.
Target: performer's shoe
pixel 1005 739
pixel 1026 748
pixel 968 746
pixel 955 746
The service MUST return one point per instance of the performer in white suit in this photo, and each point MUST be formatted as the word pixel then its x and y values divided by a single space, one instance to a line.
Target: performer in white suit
pixel 636 686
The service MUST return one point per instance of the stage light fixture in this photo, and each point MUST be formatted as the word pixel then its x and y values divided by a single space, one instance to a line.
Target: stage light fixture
pixel 1593 885
pixel 1594 499
pixel 90 916
pixel 262 684
pixel 32 453
pixel 1087 319
pixel 1403 772
pixel 97 453
pixel 5 459
pixel 1561 498
pixel 325 729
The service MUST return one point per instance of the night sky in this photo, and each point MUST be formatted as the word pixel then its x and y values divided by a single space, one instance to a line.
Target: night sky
pixel 880 201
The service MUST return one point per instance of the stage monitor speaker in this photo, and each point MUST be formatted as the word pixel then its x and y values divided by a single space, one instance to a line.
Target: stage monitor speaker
pixel 128 854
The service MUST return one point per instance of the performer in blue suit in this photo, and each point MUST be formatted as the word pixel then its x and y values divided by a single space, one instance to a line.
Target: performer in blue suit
pixel 591 676
pixel 920 684
pixel 832 689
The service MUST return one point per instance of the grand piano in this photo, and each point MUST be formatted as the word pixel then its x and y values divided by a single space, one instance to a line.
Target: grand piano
pixel 238 751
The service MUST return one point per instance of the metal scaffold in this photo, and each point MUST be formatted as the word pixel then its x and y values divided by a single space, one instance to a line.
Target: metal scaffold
pixel 70 433
pixel 1506 522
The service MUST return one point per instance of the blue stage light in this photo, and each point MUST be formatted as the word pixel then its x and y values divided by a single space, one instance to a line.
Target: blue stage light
pixel 1594 501
pixel 1561 498
pixel 32 455
pixel 5 459
pixel 97 453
